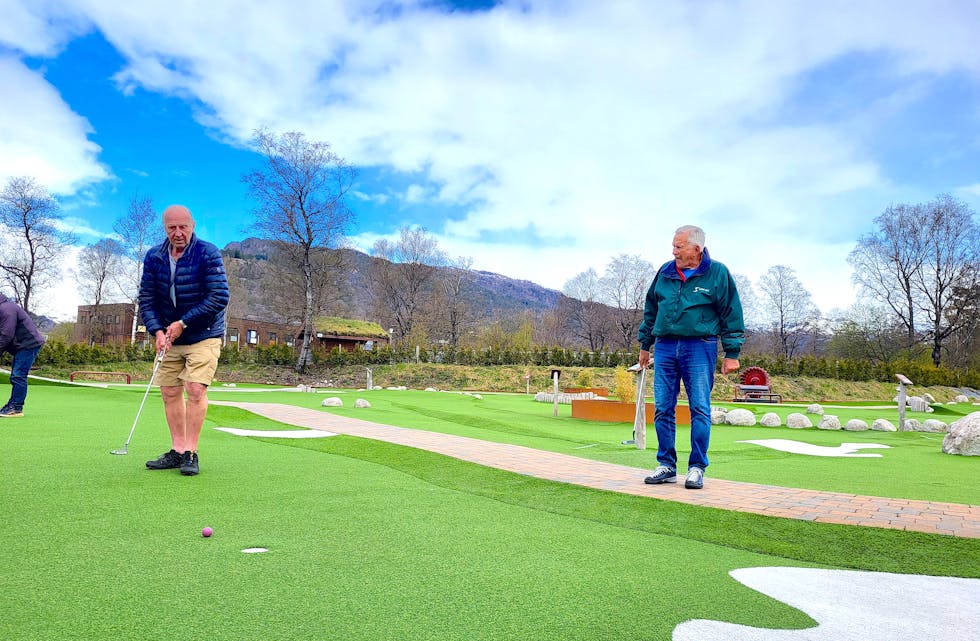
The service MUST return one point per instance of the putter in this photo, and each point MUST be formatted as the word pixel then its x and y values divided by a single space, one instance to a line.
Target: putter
pixel 640 420
pixel 125 448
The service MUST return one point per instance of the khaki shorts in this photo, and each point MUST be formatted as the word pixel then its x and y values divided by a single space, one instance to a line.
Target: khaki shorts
pixel 195 363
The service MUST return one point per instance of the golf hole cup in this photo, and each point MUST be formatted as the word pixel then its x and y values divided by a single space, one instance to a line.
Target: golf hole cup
pixel 206 532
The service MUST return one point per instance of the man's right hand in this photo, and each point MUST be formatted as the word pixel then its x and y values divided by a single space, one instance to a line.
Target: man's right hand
pixel 645 359
pixel 163 344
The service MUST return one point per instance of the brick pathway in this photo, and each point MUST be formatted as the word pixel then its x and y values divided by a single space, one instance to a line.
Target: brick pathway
pixel 824 507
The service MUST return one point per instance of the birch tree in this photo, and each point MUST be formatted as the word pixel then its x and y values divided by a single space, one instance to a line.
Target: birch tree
pixel 301 204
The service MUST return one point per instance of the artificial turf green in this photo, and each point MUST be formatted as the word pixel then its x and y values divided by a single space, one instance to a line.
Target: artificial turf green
pixel 861 548
pixel 368 540
pixel 97 547
pixel 913 468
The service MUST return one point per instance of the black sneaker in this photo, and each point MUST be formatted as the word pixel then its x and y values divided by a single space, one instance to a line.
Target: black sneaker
pixel 662 474
pixel 168 461
pixel 188 464
pixel 10 412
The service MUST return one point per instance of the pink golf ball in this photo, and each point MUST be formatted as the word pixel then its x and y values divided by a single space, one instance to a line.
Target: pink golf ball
pixel 206 532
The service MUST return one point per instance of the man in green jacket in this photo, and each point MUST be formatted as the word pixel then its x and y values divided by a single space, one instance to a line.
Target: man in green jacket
pixel 691 305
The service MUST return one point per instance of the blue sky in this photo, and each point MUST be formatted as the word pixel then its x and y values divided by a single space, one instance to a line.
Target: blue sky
pixel 539 138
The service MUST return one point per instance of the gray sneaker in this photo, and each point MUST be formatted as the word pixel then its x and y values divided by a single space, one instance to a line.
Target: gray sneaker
pixel 662 474
pixel 695 479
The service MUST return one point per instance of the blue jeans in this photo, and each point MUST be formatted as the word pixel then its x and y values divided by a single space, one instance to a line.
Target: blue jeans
pixel 23 360
pixel 691 360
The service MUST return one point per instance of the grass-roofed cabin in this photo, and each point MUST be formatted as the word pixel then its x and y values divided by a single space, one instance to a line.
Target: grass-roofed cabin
pixel 347 334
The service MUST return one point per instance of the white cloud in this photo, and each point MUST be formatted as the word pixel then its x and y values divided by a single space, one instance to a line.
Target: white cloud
pixel 969 190
pixel 40 136
pixel 602 127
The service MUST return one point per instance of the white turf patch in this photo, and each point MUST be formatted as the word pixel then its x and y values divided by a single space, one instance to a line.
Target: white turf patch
pixel 854 606
pixel 798 447
pixel 255 550
pixel 277 434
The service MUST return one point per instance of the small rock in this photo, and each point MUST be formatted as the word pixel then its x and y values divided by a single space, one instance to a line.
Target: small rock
pixel 770 419
pixel 740 417
pixel 814 409
pixel 883 425
pixel 332 401
pixel 829 422
pixel 361 403
pixel 798 421
pixel 856 425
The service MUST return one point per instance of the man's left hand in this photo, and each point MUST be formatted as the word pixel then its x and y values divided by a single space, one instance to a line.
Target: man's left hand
pixel 729 365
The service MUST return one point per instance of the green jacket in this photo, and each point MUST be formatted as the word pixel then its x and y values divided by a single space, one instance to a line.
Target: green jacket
pixel 706 304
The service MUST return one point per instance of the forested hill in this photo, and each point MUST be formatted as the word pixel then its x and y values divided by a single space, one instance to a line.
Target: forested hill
pixel 489 295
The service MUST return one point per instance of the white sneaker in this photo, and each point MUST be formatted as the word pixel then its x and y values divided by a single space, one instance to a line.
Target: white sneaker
pixel 695 479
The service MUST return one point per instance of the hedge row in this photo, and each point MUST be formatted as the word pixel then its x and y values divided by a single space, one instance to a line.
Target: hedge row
pixel 58 354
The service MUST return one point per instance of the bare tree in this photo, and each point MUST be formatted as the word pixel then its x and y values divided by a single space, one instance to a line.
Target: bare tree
pixel 138 231
pixel 623 287
pixel 404 276
pixel 867 332
pixel 301 194
pixel 788 308
pixel 588 318
pixel 887 260
pixel 915 261
pixel 952 249
pixel 98 267
pixel 455 281
pixel 33 246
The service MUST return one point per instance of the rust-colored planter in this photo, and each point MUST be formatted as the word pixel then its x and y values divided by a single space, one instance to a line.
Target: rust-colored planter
pixel 620 412
pixel 598 391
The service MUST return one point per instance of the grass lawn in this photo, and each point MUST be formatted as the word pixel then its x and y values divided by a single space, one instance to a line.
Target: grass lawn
pixel 369 540
pixel 515 418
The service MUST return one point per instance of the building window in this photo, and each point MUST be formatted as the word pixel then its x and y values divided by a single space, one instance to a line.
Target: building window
pixel 273 338
pixel 233 335
pixel 251 337
pixel 289 341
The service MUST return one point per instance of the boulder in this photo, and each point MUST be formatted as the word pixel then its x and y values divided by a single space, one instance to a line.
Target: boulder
pixel 933 425
pixel 332 401
pixel 829 422
pixel 918 404
pixel 740 417
pixel 883 425
pixel 964 436
pixel 431 389
pixel 770 419
pixel 718 415
pixel 814 409
pixel 960 398
pixel 855 425
pixel 913 425
pixel 361 403
pixel 798 421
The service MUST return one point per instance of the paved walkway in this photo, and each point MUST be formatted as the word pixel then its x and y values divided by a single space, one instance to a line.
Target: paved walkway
pixel 823 507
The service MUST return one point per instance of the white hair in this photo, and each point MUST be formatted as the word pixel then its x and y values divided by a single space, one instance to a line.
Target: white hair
pixel 695 235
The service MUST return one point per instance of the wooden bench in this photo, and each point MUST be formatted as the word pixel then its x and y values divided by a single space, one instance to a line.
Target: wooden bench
pixel 757 394
pixel 99 375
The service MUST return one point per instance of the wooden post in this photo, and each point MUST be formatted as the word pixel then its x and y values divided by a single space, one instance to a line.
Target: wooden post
pixel 902 382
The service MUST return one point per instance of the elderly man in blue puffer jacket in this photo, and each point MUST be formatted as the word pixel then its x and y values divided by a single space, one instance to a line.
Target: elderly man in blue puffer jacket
pixel 183 296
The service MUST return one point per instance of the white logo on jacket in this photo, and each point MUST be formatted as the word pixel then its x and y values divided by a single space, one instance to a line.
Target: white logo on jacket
pixel 702 290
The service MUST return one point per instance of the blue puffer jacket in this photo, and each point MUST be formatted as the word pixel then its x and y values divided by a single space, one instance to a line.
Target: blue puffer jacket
pixel 201 290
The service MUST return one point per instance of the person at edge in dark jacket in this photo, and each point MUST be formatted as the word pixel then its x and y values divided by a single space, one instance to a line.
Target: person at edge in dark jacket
pixel 182 298
pixel 691 306
pixel 19 336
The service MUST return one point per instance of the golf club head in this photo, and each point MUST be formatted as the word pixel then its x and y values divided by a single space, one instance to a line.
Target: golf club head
pixel 120 452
